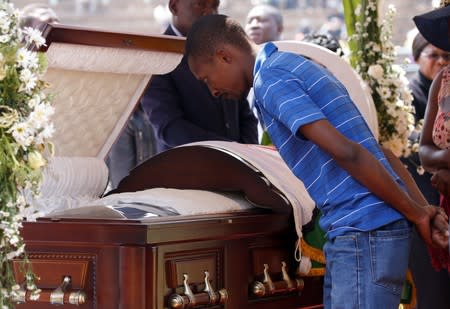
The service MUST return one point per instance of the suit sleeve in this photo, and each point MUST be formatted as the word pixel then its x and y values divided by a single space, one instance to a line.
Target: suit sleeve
pixel 248 124
pixel 122 157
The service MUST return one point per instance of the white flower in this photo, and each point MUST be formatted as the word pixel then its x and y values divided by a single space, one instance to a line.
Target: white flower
pixel 407 97
pixel 5 22
pixel 384 92
pixel 41 115
pixel 5 29
pixel 34 36
pixel 35 100
pixel 22 133
pixel 4 18
pixel 28 80
pixel 27 59
pixel 4 214
pixel 15 287
pixel 47 132
pixel 36 294
pixel 376 48
pixel 5 38
pixel 400 104
pixel 372 6
pixel 391 9
pixel 376 71
pixel 14 240
pixel 12 255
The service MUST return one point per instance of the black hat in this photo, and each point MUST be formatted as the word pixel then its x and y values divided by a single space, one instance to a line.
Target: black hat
pixel 434 26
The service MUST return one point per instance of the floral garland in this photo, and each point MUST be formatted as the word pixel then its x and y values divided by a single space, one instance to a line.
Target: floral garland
pixel 25 127
pixel 373 56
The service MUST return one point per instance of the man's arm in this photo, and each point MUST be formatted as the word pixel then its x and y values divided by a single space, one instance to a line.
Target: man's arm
pixel 399 168
pixel 364 167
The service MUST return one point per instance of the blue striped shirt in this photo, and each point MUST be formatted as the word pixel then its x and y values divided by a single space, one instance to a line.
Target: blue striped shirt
pixel 292 91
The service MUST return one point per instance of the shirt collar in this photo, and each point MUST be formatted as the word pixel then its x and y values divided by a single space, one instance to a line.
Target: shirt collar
pixel 177 32
pixel 265 52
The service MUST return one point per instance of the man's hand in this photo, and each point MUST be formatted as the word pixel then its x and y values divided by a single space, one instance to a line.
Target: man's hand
pixel 439 230
pixel 423 222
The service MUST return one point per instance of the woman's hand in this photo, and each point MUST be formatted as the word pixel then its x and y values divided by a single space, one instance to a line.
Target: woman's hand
pixel 441 181
pixel 439 230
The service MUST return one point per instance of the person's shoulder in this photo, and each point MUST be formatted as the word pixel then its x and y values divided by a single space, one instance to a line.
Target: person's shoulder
pixel 414 82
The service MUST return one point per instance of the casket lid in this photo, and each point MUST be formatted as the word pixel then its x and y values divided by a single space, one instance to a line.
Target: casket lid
pixel 97 78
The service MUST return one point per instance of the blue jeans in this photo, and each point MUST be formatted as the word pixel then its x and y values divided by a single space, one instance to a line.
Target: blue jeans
pixel 366 270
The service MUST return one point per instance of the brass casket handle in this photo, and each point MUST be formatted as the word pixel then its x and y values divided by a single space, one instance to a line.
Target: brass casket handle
pixel 62 295
pixel 208 297
pixel 269 287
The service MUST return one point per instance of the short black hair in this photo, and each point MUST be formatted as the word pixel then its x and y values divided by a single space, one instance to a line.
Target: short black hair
pixel 325 40
pixel 210 31
pixel 418 45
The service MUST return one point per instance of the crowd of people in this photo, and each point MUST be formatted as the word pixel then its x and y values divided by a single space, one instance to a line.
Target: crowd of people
pixel 379 217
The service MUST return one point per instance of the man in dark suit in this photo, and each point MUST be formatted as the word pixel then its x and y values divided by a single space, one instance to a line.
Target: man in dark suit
pixel 180 108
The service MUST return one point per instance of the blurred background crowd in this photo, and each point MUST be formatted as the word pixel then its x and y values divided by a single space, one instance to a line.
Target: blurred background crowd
pixel 300 17
pixel 151 16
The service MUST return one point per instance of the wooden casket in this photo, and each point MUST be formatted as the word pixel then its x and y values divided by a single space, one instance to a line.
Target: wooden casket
pixel 238 260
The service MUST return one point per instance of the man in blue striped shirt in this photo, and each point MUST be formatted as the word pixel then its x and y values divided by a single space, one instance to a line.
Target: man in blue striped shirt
pixel 326 143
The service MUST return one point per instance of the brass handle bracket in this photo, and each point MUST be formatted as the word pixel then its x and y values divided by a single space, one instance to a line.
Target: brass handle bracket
pixel 62 295
pixel 269 287
pixel 207 297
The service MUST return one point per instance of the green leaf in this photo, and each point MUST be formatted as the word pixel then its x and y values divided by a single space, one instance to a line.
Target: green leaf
pixel 349 15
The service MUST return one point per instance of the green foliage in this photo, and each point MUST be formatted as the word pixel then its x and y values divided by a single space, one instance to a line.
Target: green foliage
pixel 350 20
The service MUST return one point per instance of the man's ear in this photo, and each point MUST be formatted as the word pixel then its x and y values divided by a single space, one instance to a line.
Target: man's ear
pixel 224 54
pixel 173 7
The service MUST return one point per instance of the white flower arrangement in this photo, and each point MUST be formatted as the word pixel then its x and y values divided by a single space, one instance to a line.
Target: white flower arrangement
pixel 373 55
pixel 25 128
